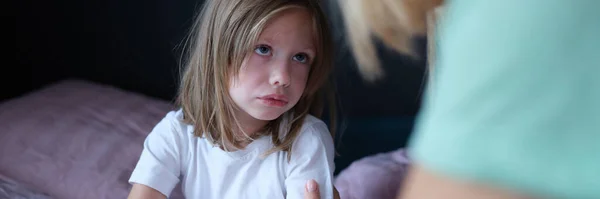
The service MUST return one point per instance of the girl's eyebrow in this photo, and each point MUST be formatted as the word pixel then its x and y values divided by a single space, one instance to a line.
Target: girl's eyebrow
pixel 270 39
pixel 309 51
pixel 267 40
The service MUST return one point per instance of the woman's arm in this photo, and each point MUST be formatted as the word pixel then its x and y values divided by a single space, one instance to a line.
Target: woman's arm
pixel 513 92
pixel 139 191
pixel 425 184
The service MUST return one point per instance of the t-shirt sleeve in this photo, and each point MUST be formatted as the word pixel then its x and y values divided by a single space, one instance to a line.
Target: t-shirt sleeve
pixel 312 158
pixel 159 164
pixel 516 97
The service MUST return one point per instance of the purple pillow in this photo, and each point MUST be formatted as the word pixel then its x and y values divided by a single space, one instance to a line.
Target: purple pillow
pixel 376 176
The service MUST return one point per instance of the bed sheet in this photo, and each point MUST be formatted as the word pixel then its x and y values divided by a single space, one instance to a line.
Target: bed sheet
pixel 12 189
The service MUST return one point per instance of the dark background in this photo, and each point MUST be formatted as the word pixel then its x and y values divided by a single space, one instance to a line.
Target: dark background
pixel 133 45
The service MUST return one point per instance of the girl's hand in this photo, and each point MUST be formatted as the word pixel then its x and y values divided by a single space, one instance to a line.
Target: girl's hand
pixel 139 191
pixel 311 191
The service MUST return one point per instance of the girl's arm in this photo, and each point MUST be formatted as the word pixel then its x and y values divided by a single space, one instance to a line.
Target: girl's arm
pixel 139 191
pixel 158 168
pixel 313 193
pixel 312 158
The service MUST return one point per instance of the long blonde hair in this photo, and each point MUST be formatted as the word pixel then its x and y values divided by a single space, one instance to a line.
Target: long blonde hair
pixel 392 21
pixel 222 35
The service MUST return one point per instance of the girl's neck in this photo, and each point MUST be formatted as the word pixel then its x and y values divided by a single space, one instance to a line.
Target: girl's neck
pixel 250 126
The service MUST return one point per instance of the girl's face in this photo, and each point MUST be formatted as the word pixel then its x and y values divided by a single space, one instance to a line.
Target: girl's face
pixel 272 78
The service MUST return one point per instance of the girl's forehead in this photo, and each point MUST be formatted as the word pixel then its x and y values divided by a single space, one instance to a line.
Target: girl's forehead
pixel 291 23
pixel 292 19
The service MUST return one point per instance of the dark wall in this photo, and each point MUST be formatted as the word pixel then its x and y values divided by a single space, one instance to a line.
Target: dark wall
pixel 40 50
pixel 133 44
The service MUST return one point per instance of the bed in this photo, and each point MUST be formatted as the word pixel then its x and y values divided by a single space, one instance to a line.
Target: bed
pixel 74 139
pixel 77 139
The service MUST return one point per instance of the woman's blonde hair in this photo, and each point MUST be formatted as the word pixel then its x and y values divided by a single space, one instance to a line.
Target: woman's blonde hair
pixel 392 21
pixel 222 35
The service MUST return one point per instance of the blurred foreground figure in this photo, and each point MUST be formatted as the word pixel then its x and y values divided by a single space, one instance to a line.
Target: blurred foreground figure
pixel 512 108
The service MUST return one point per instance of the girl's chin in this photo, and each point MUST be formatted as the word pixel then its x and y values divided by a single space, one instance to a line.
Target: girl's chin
pixel 267 117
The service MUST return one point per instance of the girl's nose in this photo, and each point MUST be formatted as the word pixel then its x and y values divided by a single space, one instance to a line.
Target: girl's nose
pixel 280 76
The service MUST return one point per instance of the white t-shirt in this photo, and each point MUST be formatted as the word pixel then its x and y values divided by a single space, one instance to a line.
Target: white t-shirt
pixel 172 153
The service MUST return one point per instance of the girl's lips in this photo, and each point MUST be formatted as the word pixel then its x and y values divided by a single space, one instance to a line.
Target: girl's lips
pixel 274 100
pixel 275 97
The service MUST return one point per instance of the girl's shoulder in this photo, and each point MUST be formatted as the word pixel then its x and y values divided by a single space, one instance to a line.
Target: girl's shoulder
pixel 173 121
pixel 312 120
pixel 172 128
pixel 314 135
pixel 314 127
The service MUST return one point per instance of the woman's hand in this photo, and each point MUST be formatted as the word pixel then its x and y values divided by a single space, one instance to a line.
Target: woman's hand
pixel 311 191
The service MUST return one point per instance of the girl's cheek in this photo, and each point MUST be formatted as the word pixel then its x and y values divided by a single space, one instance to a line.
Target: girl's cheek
pixel 301 70
pixel 257 59
pixel 252 62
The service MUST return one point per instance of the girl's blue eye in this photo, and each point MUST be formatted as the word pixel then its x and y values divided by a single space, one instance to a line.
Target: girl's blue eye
pixel 262 50
pixel 302 58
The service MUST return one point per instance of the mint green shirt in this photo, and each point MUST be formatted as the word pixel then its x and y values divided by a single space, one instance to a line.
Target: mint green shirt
pixel 515 100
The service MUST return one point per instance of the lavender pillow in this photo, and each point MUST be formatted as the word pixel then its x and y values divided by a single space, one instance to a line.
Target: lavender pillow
pixel 376 176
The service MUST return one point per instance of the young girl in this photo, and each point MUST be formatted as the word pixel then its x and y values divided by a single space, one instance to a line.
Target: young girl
pixel 250 96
